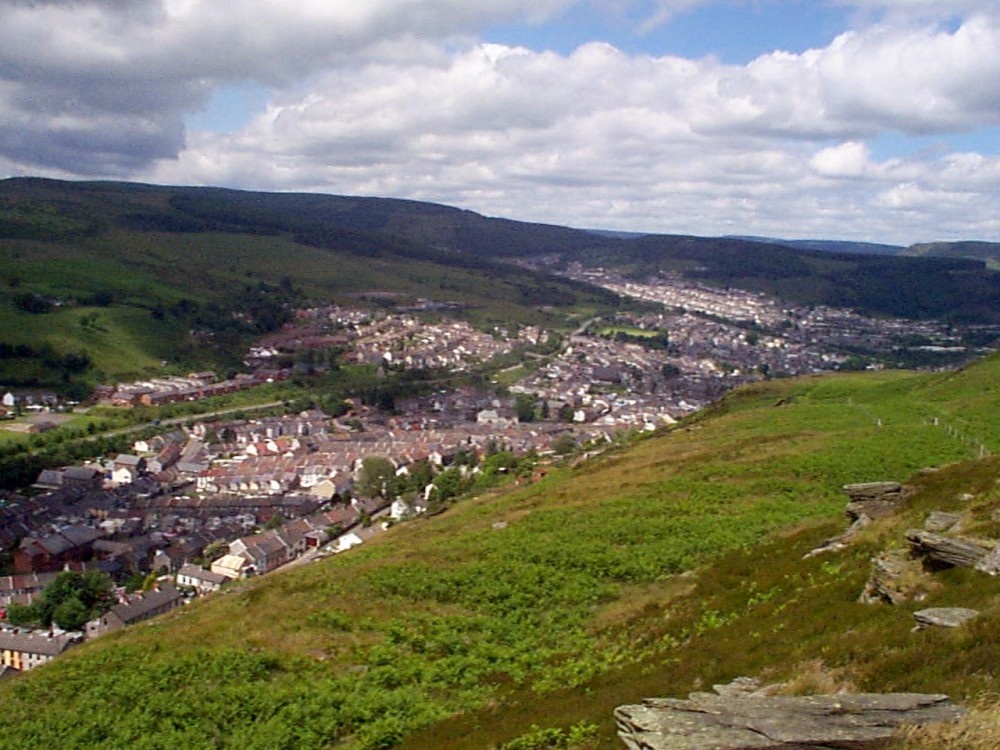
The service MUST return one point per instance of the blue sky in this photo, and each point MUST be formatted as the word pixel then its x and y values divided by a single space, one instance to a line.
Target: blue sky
pixel 734 32
pixel 854 119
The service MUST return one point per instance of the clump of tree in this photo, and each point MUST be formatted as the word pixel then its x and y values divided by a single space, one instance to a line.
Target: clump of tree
pixel 32 303
pixel 69 602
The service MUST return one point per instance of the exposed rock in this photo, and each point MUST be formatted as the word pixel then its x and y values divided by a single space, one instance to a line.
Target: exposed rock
pixel 838 543
pixel 771 723
pixel 739 686
pixel 965 497
pixel 875 499
pixel 873 490
pixel 939 521
pixel 945 617
pixel 947 550
pixel 990 564
pixel 895 578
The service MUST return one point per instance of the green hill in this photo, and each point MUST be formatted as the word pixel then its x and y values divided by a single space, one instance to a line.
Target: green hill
pixel 106 281
pixel 655 569
pixel 103 281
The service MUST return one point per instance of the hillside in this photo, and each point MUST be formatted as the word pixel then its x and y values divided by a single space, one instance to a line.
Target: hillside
pixel 106 281
pixel 664 565
pixel 984 251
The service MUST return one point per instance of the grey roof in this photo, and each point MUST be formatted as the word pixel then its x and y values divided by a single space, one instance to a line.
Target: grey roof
pixel 193 571
pixel 127 459
pixel 78 535
pixel 34 643
pixel 80 473
pixel 141 608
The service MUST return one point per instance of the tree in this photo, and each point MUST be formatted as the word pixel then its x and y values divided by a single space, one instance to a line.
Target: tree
pixel 525 406
pixel 564 444
pixel 71 614
pixel 92 591
pixel 274 522
pixel 378 477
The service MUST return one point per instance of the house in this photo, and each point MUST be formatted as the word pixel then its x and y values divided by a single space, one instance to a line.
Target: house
pixel 126 468
pixel 52 552
pixel 23 650
pixel 232 566
pixel 203 581
pixel 24 587
pixel 86 476
pixel 264 552
pixel 140 607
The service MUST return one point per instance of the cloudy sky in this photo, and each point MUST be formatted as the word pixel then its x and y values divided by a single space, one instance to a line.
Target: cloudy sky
pixel 872 120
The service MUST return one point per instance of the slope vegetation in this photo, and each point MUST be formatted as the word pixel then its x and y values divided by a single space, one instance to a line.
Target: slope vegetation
pixel 653 569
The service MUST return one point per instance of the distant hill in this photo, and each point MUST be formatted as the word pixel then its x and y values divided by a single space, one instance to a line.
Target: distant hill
pixel 106 280
pixel 832 246
pixel 985 251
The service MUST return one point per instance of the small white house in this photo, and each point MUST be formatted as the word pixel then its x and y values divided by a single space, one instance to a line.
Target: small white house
pixel 203 581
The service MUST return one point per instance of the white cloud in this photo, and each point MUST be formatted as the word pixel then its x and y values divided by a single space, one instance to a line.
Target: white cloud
pixel 846 160
pixel 395 97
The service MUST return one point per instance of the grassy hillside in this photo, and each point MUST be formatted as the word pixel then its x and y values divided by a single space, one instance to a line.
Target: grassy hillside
pixel 652 570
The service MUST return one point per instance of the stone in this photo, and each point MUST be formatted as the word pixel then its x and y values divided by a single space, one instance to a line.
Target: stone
pixel 871 509
pixel 945 617
pixel 873 490
pixel 752 722
pixel 895 578
pixel 838 543
pixel 939 521
pixel 947 550
pixel 990 564
pixel 875 499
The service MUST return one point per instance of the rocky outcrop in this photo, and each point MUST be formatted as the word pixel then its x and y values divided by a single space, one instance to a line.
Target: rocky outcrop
pixel 938 521
pixel 895 578
pixel 947 551
pixel 944 617
pixel 875 500
pixel 869 501
pixel 755 722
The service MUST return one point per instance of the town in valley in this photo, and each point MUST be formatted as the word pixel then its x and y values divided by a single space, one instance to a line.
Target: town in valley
pixel 196 503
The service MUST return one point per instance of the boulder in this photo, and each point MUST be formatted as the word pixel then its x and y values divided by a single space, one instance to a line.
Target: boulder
pixel 754 722
pixel 945 617
pixel 895 578
pixel 947 550
pixel 938 521
pixel 838 543
pixel 990 564
pixel 873 490
pixel 875 500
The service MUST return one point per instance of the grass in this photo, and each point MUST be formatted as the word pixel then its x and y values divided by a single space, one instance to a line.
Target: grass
pixel 656 569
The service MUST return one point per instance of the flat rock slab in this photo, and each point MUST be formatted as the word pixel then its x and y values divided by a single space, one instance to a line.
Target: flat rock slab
pixel 873 490
pixel 947 550
pixel 705 721
pixel 939 521
pixel 945 617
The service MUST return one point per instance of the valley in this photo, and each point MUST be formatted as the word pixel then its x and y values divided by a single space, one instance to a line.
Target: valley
pixel 475 492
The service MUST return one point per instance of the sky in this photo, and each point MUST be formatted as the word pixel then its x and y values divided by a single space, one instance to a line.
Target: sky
pixel 869 120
